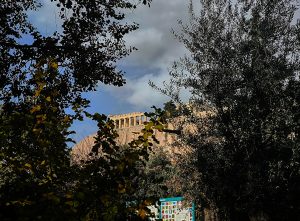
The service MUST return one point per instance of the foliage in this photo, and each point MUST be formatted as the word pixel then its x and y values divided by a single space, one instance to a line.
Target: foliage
pixel 34 166
pixel 243 74
pixel 90 42
pixel 170 109
pixel 109 180
pixel 166 170
pixel 157 172
pixel 39 80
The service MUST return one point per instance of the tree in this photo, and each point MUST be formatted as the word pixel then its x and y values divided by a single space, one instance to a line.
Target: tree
pixel 170 109
pixel 158 172
pixel 243 74
pixel 109 179
pixel 39 80
pixel 86 49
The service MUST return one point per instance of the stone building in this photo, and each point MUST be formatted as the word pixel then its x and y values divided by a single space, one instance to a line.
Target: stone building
pixel 128 120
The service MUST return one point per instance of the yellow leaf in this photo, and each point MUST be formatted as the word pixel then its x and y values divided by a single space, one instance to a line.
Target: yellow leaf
pixel 142 213
pixel 35 109
pixel 41 118
pixel 54 65
pixel 37 130
pixel 37 93
pixel 66 119
pixel 48 99
pixel 28 165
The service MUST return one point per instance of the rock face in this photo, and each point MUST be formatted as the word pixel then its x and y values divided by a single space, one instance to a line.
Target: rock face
pixel 128 127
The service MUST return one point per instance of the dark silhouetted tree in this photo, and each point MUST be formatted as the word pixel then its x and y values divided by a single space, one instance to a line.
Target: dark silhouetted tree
pixel 39 80
pixel 243 72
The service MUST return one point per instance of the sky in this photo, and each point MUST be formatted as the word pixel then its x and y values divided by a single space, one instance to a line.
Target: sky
pixel 157 49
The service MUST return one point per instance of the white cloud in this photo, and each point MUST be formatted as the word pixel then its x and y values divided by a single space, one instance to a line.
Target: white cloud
pixel 143 95
pixel 46 18
pixel 138 93
pixel 157 49
pixel 157 46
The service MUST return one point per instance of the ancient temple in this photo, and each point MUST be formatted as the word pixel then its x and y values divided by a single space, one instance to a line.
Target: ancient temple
pixel 128 120
pixel 128 127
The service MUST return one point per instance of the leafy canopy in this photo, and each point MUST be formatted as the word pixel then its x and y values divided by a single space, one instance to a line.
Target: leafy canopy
pixel 39 80
pixel 243 72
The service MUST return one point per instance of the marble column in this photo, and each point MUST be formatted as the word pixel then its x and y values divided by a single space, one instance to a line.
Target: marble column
pixel 141 120
pixel 131 123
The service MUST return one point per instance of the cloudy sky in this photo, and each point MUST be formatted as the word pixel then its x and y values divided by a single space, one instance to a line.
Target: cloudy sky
pixel 157 48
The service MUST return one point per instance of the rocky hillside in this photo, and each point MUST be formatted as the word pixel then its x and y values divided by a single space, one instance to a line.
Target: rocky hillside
pixel 82 149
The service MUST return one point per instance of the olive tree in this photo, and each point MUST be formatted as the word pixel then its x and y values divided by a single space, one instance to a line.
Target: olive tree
pixel 243 74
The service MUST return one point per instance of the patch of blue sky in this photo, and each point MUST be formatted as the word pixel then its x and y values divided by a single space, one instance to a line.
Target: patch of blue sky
pixel 46 19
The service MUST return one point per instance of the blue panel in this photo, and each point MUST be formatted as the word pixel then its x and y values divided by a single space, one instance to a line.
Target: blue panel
pixel 169 205
pixel 171 199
